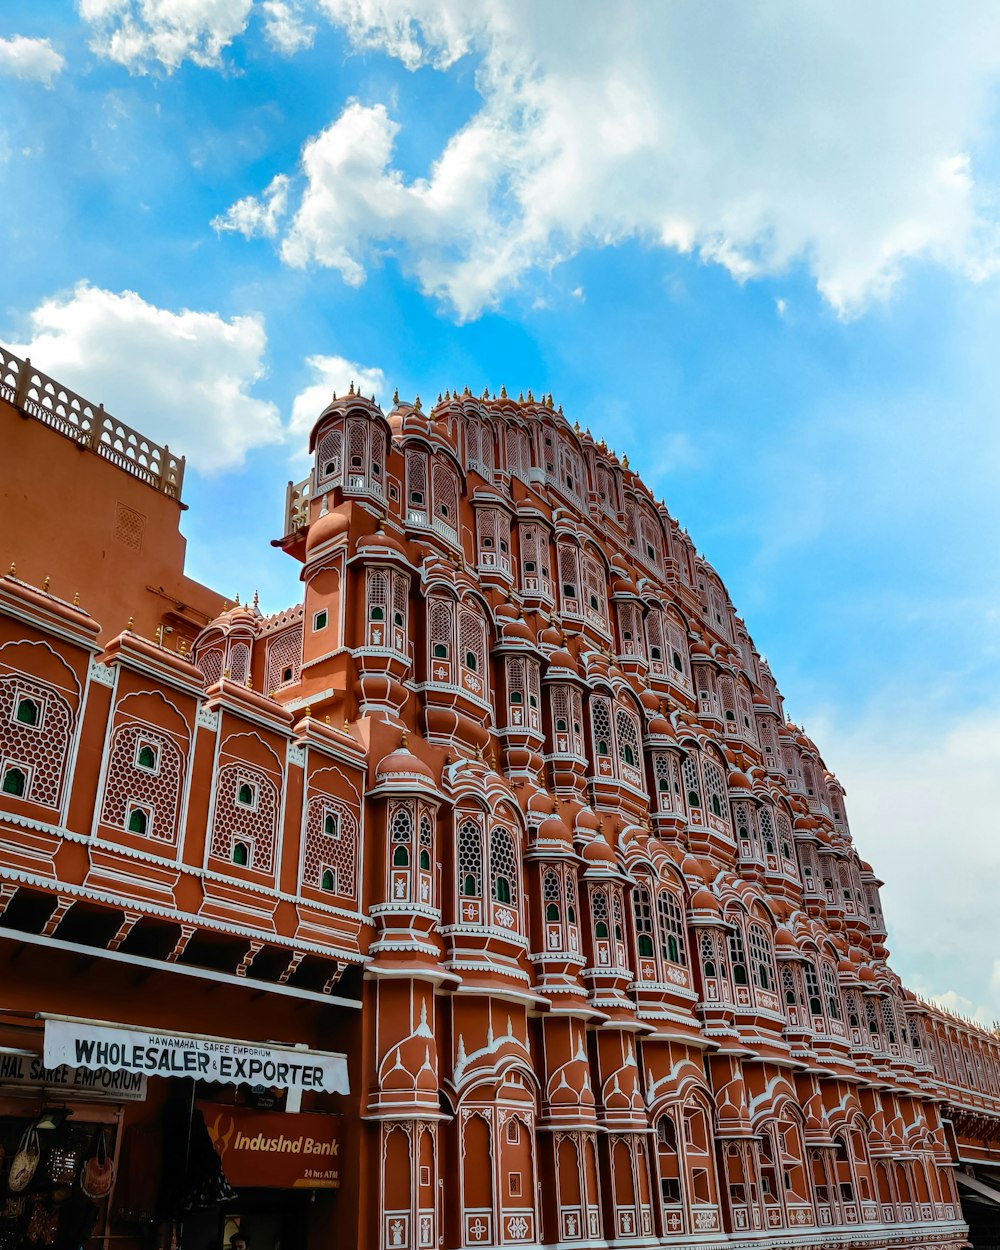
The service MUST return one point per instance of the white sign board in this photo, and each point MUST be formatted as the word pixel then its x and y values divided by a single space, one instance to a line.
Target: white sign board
pixel 229 1062
pixel 29 1071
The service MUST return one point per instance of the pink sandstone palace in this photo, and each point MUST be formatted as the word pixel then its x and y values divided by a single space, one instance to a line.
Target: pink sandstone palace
pixel 496 852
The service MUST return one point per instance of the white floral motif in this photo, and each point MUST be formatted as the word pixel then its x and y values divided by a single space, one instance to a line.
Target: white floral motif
pixel 517 1228
pixel 506 917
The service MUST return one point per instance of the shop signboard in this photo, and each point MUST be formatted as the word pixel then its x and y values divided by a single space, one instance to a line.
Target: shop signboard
pixel 275 1149
pixel 224 1060
pixel 29 1071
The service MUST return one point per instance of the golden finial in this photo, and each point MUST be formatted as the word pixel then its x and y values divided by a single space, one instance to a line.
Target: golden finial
pixel 347 725
pixel 560 410
pixel 531 398
pixel 380 525
pixel 256 599
pixel 624 462
pixel 440 398
pixel 182 646
pixel 520 397
pixel 395 397
pixel 479 752
pixel 503 391
pixel 45 584
pixel 404 740
pixel 486 392
pixel 550 403
pixel 576 427
pixel 333 397
pixel 227 673
pixel 326 719
pixel 308 710
pixel 13 569
pixel 76 600
pixel 249 682
pixel 466 391
pixel 131 624
pixel 350 389
pixel 416 403
pixel 237 600
pixel 447 393
pixel 271 694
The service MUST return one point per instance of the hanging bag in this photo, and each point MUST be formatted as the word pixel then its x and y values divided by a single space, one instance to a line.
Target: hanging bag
pixel 43 1224
pixel 24 1163
pixel 98 1173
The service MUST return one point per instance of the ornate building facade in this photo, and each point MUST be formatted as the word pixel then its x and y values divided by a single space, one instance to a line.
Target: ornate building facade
pixel 507 810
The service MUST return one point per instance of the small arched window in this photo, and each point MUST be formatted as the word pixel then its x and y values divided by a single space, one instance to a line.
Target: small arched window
pixel 241 854
pixel 552 913
pixel 377 613
pixel 425 861
pixel 244 795
pixel 628 755
pixel 601 928
pixel 678 663
pixel 138 821
pixel 331 825
pixel 502 890
pixel 645 946
pixel 716 805
pixel 471 661
pixel 469 886
pixel 326 881
pixel 401 857
pixel 27 712
pixel 14 782
pixel 146 757
pixel 440 651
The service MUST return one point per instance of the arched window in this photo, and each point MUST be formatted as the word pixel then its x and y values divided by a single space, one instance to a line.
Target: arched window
pixel 241 854
pixel 327 880
pixel 27 711
pixel 737 957
pixel 760 957
pixel 503 867
pixel 642 907
pixel 146 757
pixel 671 920
pixel 138 820
pixel 245 794
pixel 14 781
pixel 470 861
pixel 401 857
pixel 401 840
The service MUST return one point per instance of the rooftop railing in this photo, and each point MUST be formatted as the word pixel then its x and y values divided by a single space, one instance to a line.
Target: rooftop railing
pixel 35 394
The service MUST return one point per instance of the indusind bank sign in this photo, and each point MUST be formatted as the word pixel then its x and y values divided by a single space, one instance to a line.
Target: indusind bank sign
pixel 275 1149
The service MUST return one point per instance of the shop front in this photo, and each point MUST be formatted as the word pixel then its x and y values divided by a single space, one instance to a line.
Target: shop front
pixel 113 1133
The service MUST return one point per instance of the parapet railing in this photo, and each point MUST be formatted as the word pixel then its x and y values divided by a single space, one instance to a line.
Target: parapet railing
pixel 35 394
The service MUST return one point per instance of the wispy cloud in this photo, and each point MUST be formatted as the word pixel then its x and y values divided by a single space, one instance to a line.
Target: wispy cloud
pixel 32 60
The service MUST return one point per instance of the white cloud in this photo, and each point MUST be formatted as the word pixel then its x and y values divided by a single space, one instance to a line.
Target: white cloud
pixel 285 28
pixel 179 377
pixel 257 216
pixel 923 798
pixel 139 34
pixel 33 60
pixel 333 375
pixel 754 136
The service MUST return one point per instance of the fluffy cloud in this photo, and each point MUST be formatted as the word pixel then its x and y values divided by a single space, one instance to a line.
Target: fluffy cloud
pixel 180 377
pixel 922 798
pixel 751 136
pixel 257 216
pixel 33 60
pixel 142 33
pixel 285 28
pixel 333 375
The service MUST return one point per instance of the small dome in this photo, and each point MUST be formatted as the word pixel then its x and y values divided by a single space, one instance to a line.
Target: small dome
pixel 325 527
pixel 865 974
pixel 561 658
pixel 660 727
pixel 704 900
pixel 550 636
pixel 402 766
pixel 597 851
pixel 517 630
pixel 784 939
pixel 381 540
pixel 738 780
pixel 552 829
pixel 587 821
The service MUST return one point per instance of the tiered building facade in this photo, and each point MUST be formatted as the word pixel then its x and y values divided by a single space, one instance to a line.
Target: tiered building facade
pixel 508 810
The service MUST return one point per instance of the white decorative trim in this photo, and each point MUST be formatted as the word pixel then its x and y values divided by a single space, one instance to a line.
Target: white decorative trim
pixel 103 674
pixel 296 755
pixel 207 719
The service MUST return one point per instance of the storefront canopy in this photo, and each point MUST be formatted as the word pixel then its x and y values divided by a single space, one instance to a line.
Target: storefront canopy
pixel 130 1048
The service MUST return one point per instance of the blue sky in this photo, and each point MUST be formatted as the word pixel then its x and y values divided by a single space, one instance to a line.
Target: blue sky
pixel 754 247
